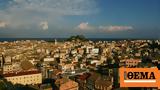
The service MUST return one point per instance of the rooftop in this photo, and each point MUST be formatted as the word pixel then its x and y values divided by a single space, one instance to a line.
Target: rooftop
pixel 21 73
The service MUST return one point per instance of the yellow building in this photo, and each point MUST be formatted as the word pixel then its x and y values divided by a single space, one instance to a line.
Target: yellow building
pixel 25 78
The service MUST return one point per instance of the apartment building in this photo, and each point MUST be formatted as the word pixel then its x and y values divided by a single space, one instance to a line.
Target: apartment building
pixel 31 77
pixel 132 62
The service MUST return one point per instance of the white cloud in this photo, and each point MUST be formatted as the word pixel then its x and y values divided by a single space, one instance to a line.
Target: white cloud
pixel 44 25
pixel 84 26
pixel 28 13
pixel 115 28
pixel 3 24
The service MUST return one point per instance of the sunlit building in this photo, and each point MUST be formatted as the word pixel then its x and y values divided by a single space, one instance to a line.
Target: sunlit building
pixel 25 78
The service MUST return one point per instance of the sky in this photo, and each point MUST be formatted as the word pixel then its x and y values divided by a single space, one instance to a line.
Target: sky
pixel 91 18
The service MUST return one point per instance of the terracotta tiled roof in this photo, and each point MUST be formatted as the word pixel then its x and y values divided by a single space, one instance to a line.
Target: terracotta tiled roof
pixel 103 82
pixel 84 76
pixel 66 84
pixel 69 85
pixel 94 76
pixel 61 81
pixel 12 74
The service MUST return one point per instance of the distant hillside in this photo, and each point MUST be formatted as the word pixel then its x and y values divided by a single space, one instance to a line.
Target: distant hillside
pixel 77 38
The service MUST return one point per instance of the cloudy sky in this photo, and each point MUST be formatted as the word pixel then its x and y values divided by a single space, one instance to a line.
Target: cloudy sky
pixel 92 18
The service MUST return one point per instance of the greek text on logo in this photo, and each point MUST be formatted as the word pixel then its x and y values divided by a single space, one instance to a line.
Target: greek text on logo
pixel 139 77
